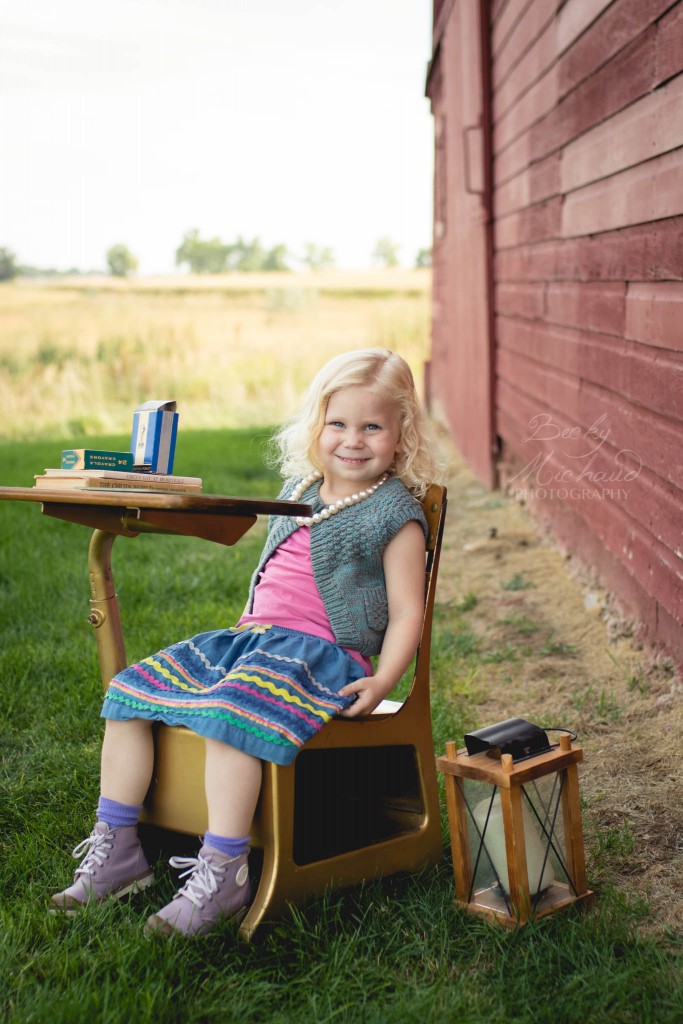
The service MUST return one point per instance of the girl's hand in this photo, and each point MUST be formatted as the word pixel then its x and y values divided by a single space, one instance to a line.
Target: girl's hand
pixel 371 692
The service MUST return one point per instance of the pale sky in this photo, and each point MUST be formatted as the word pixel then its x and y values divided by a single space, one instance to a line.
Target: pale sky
pixel 134 121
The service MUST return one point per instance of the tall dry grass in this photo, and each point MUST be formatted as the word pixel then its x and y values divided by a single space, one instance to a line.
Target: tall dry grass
pixel 78 356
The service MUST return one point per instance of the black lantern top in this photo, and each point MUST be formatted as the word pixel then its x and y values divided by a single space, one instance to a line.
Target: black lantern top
pixel 513 736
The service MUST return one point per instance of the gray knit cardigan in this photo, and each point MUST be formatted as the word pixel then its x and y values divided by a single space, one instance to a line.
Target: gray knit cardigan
pixel 346 552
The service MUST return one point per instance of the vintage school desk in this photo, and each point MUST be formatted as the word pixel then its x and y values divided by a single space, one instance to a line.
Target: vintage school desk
pixel 379 812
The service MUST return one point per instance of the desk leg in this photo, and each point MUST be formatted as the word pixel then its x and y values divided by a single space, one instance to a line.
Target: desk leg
pixel 104 607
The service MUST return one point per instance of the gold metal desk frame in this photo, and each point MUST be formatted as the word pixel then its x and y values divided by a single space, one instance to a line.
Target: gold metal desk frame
pixel 361 798
pixel 124 513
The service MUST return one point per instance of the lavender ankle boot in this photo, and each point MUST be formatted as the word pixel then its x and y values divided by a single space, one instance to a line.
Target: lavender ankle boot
pixel 218 888
pixel 114 865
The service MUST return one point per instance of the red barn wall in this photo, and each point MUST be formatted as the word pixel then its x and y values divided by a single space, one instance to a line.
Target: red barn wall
pixel 459 380
pixel 586 208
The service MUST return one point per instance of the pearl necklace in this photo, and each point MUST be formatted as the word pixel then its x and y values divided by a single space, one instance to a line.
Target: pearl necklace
pixel 337 506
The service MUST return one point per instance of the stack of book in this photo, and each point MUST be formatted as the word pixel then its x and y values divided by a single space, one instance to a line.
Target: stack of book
pixel 58 479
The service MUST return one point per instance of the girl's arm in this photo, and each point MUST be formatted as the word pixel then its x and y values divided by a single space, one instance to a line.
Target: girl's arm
pixel 404 571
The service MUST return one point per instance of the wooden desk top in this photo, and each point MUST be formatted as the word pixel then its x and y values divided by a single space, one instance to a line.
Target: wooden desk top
pixel 216 504
pixel 128 513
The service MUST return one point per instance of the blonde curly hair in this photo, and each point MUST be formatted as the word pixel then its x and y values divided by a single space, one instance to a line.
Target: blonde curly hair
pixel 417 464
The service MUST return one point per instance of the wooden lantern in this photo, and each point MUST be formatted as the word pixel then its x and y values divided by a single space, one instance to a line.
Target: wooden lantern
pixel 517 853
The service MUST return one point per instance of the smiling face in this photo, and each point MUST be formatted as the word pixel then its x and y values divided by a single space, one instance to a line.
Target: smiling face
pixel 358 441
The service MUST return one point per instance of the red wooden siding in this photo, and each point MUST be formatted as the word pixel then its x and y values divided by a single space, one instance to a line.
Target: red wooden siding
pixel 460 373
pixel 586 208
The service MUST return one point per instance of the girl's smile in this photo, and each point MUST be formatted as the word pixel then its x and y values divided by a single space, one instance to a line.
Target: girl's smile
pixel 358 442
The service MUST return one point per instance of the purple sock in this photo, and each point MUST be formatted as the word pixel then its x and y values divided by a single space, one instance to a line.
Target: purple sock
pixel 117 815
pixel 227 845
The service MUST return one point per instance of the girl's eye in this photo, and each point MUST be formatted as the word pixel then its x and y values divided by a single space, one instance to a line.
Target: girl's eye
pixel 373 426
pixel 336 423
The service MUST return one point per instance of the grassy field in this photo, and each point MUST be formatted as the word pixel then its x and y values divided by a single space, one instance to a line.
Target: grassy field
pixel 78 356
pixel 389 951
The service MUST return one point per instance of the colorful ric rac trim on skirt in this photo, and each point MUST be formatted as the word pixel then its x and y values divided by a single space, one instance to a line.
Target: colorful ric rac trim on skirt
pixel 263 689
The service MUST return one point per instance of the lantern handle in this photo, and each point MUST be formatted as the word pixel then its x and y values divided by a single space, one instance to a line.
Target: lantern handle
pixel 559 728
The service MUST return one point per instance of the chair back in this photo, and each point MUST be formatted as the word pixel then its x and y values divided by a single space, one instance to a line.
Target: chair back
pixel 434 505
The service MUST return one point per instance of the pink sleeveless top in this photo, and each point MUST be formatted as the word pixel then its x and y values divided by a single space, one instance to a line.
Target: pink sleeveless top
pixel 286 594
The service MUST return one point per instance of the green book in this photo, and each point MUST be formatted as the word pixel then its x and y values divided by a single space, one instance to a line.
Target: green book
pixel 90 458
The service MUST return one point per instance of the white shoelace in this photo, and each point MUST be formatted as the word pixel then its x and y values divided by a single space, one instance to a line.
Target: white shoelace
pixel 96 849
pixel 202 882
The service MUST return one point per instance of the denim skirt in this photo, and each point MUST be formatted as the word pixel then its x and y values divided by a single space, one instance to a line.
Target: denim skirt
pixel 263 689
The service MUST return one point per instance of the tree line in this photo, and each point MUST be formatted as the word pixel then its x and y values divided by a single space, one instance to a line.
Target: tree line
pixel 213 256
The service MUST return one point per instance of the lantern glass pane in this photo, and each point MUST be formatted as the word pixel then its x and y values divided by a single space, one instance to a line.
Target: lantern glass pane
pixel 543 839
pixel 549 871
pixel 487 845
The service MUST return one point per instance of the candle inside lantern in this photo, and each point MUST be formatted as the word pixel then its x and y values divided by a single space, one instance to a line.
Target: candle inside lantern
pixel 540 875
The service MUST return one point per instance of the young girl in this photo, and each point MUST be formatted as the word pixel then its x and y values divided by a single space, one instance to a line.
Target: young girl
pixel 330 591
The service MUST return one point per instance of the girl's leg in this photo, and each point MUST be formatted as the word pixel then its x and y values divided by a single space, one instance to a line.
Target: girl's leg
pixel 233 784
pixel 114 863
pixel 218 885
pixel 127 760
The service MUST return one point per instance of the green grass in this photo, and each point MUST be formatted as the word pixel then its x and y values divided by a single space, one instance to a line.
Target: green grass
pixel 521 624
pixel 603 707
pixel 389 951
pixel 517 582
